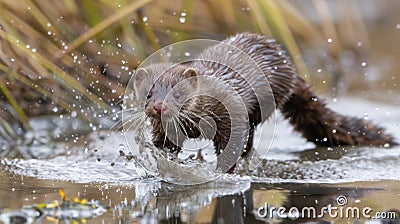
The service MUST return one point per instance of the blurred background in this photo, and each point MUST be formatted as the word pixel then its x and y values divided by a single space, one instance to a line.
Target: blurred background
pixel 71 61
pixel 76 57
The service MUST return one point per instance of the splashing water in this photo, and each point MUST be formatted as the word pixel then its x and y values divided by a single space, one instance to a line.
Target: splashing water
pixel 291 158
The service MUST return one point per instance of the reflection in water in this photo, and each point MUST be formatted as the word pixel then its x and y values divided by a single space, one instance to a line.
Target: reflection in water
pixel 228 200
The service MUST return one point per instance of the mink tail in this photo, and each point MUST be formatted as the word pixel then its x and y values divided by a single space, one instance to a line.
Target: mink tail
pixel 309 115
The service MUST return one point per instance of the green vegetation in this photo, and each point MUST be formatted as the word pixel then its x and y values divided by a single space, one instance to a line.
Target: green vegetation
pixel 64 56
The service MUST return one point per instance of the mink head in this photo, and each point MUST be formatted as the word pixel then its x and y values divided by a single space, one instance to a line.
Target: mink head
pixel 164 88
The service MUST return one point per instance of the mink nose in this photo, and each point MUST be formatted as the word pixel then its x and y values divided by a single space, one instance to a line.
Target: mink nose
pixel 159 107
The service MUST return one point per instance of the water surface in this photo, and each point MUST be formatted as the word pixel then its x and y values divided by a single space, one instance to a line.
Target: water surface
pixel 295 174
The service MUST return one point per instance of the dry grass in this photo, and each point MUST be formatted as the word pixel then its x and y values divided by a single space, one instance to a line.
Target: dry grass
pixel 79 55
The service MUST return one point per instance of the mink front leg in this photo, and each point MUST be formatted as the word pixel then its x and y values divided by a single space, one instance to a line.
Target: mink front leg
pixel 220 140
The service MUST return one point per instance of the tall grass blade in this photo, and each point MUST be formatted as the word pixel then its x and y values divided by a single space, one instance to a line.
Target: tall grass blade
pixel 103 25
pixel 273 15
pixel 13 102
pixel 68 80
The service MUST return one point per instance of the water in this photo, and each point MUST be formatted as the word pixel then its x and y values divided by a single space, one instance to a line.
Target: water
pixel 295 174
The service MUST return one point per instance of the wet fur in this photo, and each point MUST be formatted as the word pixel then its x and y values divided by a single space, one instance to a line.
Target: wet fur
pixel 305 111
pixel 309 115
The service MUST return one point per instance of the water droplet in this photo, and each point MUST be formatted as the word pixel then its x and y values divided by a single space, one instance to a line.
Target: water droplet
pixel 182 19
pixel 398 26
pixel 187 54
pixel 119 45
pixel 48 24
pixel 28 46
pixel 34 50
pixel 319 70
pixel 74 113
pixel 55 109
pixel 363 64
pixel 330 40
pixel 145 18
pixel 334 131
pixel 183 14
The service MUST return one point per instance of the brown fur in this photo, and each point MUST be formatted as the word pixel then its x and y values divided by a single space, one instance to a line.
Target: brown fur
pixel 305 111
pixel 317 123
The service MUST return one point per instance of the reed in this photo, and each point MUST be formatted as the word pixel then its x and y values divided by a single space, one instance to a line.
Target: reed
pixel 90 48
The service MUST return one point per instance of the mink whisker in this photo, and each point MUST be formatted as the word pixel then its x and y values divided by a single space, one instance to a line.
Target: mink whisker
pixel 198 116
pixel 202 133
pixel 128 119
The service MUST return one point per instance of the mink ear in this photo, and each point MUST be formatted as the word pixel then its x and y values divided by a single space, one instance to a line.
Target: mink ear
pixel 190 72
pixel 140 88
pixel 140 75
